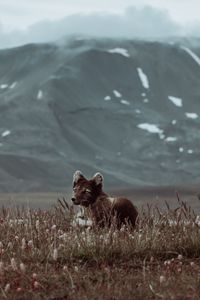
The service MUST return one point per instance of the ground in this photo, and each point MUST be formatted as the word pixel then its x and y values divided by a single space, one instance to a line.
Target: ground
pixel 45 255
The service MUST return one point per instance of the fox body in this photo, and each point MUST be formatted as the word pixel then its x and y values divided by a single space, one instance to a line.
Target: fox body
pixel 103 209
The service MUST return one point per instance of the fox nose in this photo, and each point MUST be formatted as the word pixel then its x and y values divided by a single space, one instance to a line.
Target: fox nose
pixel 73 199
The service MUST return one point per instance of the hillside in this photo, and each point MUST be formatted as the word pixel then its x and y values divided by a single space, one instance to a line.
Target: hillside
pixel 129 109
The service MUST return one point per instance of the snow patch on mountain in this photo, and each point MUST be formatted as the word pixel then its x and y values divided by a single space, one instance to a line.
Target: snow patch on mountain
pixel 120 51
pixel 191 115
pixel 40 95
pixel 107 98
pixel 152 128
pixel 117 94
pixel 6 133
pixel 3 86
pixel 195 57
pixel 143 78
pixel 171 139
pixel 176 101
pixel 174 122
pixel 125 102
pixel 13 85
pixel 190 151
pixel 138 111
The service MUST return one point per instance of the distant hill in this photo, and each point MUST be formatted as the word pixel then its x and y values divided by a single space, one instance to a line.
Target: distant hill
pixel 129 109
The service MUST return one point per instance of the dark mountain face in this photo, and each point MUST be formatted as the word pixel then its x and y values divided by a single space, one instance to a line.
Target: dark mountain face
pixel 128 109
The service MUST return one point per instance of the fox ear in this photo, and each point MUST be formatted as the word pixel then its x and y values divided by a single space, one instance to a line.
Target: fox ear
pixel 98 178
pixel 77 175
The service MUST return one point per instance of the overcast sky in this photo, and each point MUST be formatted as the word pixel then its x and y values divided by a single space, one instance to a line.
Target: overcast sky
pixel 24 21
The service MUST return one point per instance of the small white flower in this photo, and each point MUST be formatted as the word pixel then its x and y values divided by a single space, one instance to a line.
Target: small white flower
pixel 192 264
pixel 162 279
pixel 53 228
pixel 131 236
pixel 10 245
pixel 197 221
pixel 180 257
pixel 20 221
pixel 65 269
pixel 167 262
pixel 64 237
pixel 55 254
pixel 23 244
pixel 1 268
pixel 36 284
pixel 37 224
pixel 179 270
pixel 76 269
pixel 123 228
pixel 61 246
pixel 22 267
pixel 7 287
pixel 13 264
pixel 30 244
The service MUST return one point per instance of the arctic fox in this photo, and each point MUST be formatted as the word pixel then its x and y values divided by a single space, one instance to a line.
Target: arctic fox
pixel 104 210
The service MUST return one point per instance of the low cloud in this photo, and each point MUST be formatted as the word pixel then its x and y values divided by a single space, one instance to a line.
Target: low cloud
pixel 142 23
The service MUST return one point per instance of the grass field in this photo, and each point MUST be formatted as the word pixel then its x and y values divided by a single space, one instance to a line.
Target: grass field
pixel 45 255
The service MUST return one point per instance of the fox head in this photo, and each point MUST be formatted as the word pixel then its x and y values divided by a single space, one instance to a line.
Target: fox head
pixel 85 192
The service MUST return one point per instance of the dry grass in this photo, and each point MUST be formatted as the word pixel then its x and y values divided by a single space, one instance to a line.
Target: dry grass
pixel 44 256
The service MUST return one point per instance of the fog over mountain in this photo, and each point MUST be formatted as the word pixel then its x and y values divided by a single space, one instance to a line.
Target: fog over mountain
pixel 127 108
pixel 143 23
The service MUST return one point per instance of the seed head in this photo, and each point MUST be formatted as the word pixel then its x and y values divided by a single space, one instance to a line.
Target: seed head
pixel 37 224
pixel 180 257
pixel 65 268
pixel 30 244
pixel 192 264
pixel 22 267
pixel 13 264
pixel 36 284
pixel 10 245
pixel 55 254
pixel 7 288
pixel 53 228
pixel 162 279
pixel 76 269
pixel 23 244
pixel 1 268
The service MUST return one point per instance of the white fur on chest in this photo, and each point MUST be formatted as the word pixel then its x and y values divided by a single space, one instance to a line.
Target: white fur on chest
pixel 111 199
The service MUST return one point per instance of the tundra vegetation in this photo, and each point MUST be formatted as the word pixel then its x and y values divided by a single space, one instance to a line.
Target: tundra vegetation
pixel 47 255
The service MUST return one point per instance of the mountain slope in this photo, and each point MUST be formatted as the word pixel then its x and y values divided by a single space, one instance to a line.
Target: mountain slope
pixel 129 109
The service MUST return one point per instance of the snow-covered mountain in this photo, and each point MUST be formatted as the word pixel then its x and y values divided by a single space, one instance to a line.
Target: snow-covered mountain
pixel 129 109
